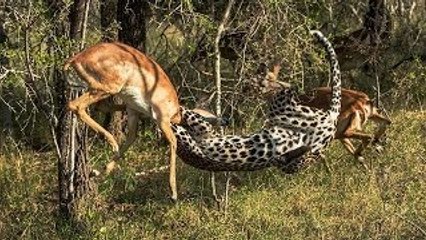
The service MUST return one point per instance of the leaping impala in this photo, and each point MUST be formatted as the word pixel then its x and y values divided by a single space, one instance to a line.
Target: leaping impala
pixel 118 69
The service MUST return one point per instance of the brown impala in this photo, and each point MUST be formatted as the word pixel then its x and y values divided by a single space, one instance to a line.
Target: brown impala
pixel 117 69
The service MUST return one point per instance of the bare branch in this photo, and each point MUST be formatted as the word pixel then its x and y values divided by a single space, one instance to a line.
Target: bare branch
pixel 84 24
pixel 220 30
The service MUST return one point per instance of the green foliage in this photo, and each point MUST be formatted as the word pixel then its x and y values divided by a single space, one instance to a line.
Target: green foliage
pixel 410 85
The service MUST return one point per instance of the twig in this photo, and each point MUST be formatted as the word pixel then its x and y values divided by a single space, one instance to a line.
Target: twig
pixel 84 24
pixel 4 74
pixel 152 171
pixel 423 231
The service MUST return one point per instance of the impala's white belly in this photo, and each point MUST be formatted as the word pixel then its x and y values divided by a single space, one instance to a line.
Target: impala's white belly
pixel 134 99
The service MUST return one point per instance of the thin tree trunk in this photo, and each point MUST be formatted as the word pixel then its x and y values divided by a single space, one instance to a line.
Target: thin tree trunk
pixel 84 24
pixel 73 170
pixel 132 16
pixel 218 82
pixel 218 79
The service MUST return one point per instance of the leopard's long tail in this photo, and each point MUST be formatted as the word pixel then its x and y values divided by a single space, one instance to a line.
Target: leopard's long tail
pixel 335 74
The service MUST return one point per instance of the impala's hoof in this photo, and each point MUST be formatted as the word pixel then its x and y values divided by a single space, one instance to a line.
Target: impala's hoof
pixel 173 199
pixel 94 173
pixel 173 195
pixel 361 160
pixel 379 148
pixel 110 167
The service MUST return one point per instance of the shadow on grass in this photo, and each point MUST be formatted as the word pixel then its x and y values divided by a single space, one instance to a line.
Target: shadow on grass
pixel 71 228
pixel 139 190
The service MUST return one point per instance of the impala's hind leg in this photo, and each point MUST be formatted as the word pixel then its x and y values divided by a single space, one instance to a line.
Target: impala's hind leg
pixel 79 106
pixel 383 123
pixel 348 145
pixel 132 128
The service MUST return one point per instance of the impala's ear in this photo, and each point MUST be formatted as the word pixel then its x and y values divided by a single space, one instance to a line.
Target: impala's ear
pixel 372 104
pixel 204 100
pixel 269 83
pixel 273 74
pixel 374 109
pixel 276 70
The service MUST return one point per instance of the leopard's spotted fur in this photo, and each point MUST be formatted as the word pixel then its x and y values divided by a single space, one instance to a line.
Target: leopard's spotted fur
pixel 200 146
pixel 318 125
pixel 290 131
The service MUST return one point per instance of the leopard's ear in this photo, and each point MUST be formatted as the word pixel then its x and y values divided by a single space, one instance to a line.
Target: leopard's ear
pixel 182 108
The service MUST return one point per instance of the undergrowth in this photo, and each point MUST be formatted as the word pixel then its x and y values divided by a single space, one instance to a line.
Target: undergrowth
pixel 385 201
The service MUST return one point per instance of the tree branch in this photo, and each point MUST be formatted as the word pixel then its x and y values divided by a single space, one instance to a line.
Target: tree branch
pixel 220 30
pixel 218 82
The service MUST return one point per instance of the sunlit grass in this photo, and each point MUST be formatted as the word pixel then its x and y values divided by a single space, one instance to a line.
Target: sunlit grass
pixel 384 202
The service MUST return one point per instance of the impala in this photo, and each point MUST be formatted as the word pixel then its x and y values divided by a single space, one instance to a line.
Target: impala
pixel 117 69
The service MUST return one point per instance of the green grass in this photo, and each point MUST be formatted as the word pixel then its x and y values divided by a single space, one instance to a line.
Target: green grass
pixel 386 202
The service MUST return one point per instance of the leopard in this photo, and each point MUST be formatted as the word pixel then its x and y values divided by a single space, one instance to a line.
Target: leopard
pixel 291 137
pixel 200 146
pixel 285 110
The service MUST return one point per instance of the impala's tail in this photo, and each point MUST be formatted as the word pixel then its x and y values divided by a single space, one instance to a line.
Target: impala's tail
pixel 335 74
pixel 69 62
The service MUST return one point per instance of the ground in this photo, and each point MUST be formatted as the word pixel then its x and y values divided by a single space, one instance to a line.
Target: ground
pixel 385 202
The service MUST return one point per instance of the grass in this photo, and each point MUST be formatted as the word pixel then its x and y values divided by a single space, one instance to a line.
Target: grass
pixel 385 202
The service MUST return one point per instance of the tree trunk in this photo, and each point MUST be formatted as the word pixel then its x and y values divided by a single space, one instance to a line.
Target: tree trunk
pixel 218 83
pixel 108 11
pixel 361 48
pixel 5 112
pixel 3 40
pixel 133 15
pixel 377 22
pixel 74 181
pixel 5 117
pixel 76 18
pixel 73 170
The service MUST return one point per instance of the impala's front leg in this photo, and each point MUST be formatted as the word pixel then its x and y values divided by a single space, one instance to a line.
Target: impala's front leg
pixel 348 145
pixel 171 138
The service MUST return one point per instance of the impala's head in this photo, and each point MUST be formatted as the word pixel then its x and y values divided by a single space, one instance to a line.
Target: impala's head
pixel 371 111
pixel 212 118
pixel 369 108
pixel 269 85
